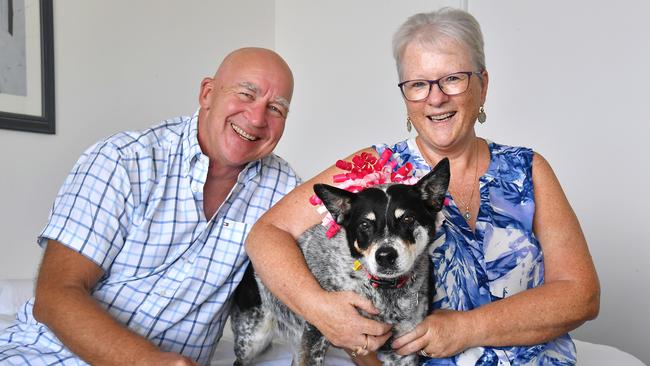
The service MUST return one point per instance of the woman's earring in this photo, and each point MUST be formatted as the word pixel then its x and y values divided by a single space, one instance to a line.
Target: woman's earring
pixel 481 115
pixel 409 126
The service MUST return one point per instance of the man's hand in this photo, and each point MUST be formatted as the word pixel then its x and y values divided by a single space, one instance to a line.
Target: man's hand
pixel 441 334
pixel 168 359
pixel 336 315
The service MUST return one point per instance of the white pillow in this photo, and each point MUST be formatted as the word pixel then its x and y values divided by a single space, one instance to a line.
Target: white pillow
pixel 13 294
pixel 590 354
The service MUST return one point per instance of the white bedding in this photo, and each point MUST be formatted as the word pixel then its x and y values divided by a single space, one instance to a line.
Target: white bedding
pixel 14 293
pixel 589 354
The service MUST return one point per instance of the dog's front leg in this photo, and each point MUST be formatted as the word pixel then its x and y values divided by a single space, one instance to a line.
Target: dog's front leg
pixel 405 326
pixel 393 359
pixel 313 347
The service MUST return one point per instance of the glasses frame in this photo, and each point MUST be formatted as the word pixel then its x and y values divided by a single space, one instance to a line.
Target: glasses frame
pixel 436 82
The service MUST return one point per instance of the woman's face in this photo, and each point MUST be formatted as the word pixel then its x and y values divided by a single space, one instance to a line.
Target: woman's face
pixel 443 122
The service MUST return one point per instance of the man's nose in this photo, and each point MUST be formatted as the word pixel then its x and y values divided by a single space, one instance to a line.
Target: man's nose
pixel 257 114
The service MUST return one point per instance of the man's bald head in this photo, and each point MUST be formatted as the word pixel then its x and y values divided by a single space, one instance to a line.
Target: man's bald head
pixel 244 107
pixel 255 57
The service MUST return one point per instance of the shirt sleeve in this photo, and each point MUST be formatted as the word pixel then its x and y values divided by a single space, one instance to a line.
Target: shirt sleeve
pixel 90 213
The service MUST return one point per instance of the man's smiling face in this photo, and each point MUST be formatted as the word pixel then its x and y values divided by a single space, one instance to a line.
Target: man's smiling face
pixel 244 107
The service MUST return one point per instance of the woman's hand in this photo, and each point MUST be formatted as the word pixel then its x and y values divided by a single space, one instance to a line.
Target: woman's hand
pixel 337 318
pixel 444 333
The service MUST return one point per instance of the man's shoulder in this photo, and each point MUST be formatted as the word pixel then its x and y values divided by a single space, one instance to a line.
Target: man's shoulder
pixel 273 163
pixel 275 160
pixel 162 135
pixel 273 168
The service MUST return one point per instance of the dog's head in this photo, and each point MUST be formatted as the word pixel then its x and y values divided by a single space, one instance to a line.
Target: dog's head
pixel 388 227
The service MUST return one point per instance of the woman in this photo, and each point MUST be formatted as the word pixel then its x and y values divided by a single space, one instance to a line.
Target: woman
pixel 512 271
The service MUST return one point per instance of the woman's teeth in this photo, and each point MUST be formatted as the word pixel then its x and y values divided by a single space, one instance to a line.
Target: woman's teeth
pixel 243 133
pixel 442 117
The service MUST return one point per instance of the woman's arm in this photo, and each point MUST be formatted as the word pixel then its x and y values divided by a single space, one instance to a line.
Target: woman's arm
pixel 569 296
pixel 272 248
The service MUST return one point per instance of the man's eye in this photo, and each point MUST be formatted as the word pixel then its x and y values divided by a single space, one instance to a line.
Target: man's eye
pixel 276 111
pixel 246 95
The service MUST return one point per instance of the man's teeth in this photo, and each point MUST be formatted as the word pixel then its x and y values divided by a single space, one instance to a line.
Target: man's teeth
pixel 442 116
pixel 243 133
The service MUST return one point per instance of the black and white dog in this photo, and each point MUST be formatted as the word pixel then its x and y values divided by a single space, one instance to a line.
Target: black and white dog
pixel 381 252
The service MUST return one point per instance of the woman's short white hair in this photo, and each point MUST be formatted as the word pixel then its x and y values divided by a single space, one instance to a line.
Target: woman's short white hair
pixel 428 28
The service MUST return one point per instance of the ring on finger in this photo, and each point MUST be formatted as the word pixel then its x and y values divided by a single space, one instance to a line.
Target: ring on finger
pixel 424 353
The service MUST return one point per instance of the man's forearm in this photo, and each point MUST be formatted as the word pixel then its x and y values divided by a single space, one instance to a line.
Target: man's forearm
pixel 88 330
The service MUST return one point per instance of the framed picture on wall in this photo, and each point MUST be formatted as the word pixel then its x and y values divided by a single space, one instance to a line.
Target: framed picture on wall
pixel 26 66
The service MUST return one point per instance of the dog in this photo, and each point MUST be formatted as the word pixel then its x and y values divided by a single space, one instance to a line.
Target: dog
pixel 381 252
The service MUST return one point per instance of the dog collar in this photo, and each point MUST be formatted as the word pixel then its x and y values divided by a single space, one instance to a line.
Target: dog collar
pixel 378 282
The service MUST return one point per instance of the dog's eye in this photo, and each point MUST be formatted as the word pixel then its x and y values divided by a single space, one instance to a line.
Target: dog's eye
pixel 365 225
pixel 408 219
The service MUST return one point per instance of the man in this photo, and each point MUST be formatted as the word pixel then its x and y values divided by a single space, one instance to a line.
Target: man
pixel 144 245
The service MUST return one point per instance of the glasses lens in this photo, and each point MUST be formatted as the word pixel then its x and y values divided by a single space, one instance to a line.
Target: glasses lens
pixel 416 89
pixel 454 84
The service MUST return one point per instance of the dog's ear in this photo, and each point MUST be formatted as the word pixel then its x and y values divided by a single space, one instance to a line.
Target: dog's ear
pixel 433 186
pixel 337 201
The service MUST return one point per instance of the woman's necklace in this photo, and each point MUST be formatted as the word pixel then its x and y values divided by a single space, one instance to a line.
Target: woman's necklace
pixel 466 204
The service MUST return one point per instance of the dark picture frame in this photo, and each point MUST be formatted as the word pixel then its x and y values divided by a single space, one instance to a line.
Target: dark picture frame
pixel 41 120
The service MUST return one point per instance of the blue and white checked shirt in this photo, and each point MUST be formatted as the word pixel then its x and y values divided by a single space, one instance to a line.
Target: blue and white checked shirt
pixel 133 204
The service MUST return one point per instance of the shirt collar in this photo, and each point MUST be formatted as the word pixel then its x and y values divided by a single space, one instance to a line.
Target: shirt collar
pixel 194 152
pixel 251 170
pixel 191 141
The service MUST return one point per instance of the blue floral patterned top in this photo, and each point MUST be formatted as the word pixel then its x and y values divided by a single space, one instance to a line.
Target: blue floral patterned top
pixel 500 258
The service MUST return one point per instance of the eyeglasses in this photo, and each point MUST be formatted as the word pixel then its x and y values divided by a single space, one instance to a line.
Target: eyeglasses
pixel 452 84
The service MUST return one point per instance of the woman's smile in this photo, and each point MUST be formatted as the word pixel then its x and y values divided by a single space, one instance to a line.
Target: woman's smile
pixel 444 117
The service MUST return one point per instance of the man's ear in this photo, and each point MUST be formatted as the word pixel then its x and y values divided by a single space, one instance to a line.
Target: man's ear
pixel 205 94
pixel 337 201
pixel 433 186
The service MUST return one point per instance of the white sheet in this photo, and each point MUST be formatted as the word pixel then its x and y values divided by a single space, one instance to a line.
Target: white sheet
pixel 13 293
pixel 589 354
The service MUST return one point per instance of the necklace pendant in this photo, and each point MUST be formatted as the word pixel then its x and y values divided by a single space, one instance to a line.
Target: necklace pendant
pixel 467 215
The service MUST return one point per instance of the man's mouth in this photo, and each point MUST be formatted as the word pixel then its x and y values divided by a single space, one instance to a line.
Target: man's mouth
pixel 441 117
pixel 243 134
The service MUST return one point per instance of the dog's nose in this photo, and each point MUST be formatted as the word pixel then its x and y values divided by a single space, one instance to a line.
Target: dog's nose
pixel 386 256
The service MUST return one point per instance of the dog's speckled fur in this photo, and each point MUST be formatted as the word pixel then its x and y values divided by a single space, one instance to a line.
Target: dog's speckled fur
pixel 388 229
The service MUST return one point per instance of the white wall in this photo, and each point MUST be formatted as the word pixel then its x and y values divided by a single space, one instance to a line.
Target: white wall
pixel 123 65
pixel 566 78
pixel 119 65
pixel 570 79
